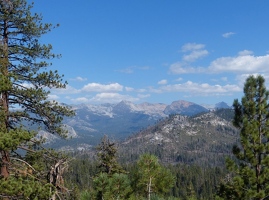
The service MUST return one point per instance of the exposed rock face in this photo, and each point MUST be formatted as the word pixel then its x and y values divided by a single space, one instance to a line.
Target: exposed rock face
pixel 50 138
pixel 206 138
pixel 184 108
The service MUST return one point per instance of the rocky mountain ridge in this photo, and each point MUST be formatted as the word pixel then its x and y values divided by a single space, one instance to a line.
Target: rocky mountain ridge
pixel 155 109
pixel 120 120
pixel 205 138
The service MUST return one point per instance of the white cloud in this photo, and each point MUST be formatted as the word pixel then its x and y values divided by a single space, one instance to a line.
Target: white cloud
pixel 241 79
pixel 27 85
pixel 245 53
pixel 129 89
pixel 141 90
pixel 53 97
pixel 97 87
pixel 241 64
pixel 78 78
pixel 192 47
pixel 180 68
pixel 228 34
pixel 194 55
pixel 68 90
pixel 244 62
pixel 203 89
pixel 196 51
pixel 162 82
pixel 111 97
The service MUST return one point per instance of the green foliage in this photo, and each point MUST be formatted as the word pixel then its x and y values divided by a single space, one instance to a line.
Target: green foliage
pixel 151 178
pixel 85 195
pixel 116 186
pixel 111 182
pixel 195 181
pixel 250 175
pixel 80 172
pixel 107 157
pixel 25 188
pixel 190 180
pixel 24 84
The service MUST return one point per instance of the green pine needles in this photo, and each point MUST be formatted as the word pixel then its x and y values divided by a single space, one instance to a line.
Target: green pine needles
pixel 249 174
pixel 24 83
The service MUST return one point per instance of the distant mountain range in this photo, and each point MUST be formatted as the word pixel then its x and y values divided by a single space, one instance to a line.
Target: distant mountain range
pixel 120 120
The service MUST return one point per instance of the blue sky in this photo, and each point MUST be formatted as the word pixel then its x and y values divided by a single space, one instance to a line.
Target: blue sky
pixel 156 51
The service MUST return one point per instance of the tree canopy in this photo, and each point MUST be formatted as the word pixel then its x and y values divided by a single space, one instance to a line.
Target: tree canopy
pixel 25 82
pixel 249 173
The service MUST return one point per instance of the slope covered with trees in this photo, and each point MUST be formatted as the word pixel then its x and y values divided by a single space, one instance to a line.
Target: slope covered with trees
pixel 145 178
pixel 204 139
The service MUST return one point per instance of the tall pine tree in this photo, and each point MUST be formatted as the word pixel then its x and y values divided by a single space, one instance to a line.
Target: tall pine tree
pixel 24 88
pixel 250 174
pixel 151 177
pixel 107 157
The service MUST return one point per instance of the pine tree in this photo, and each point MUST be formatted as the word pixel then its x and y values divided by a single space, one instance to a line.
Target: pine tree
pixel 250 180
pixel 151 177
pixel 24 88
pixel 116 186
pixel 112 181
pixel 107 157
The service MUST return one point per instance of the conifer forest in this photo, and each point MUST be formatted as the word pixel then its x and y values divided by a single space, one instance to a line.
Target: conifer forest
pixel 226 162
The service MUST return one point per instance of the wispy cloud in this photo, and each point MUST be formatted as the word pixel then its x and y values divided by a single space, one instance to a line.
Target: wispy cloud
pixel 203 89
pixel 162 82
pixel 194 55
pixel 180 68
pixel 53 97
pixel 228 34
pixel 78 78
pixel 128 70
pixel 195 51
pixel 129 89
pixel 192 47
pixel 68 90
pixel 179 79
pixel 131 69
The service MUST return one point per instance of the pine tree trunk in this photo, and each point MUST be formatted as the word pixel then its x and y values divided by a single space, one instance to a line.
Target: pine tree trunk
pixel 5 158
pixel 258 167
pixel 5 162
pixel 149 188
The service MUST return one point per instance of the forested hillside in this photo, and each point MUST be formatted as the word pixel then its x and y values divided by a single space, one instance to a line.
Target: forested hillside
pixel 189 182
pixel 204 139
